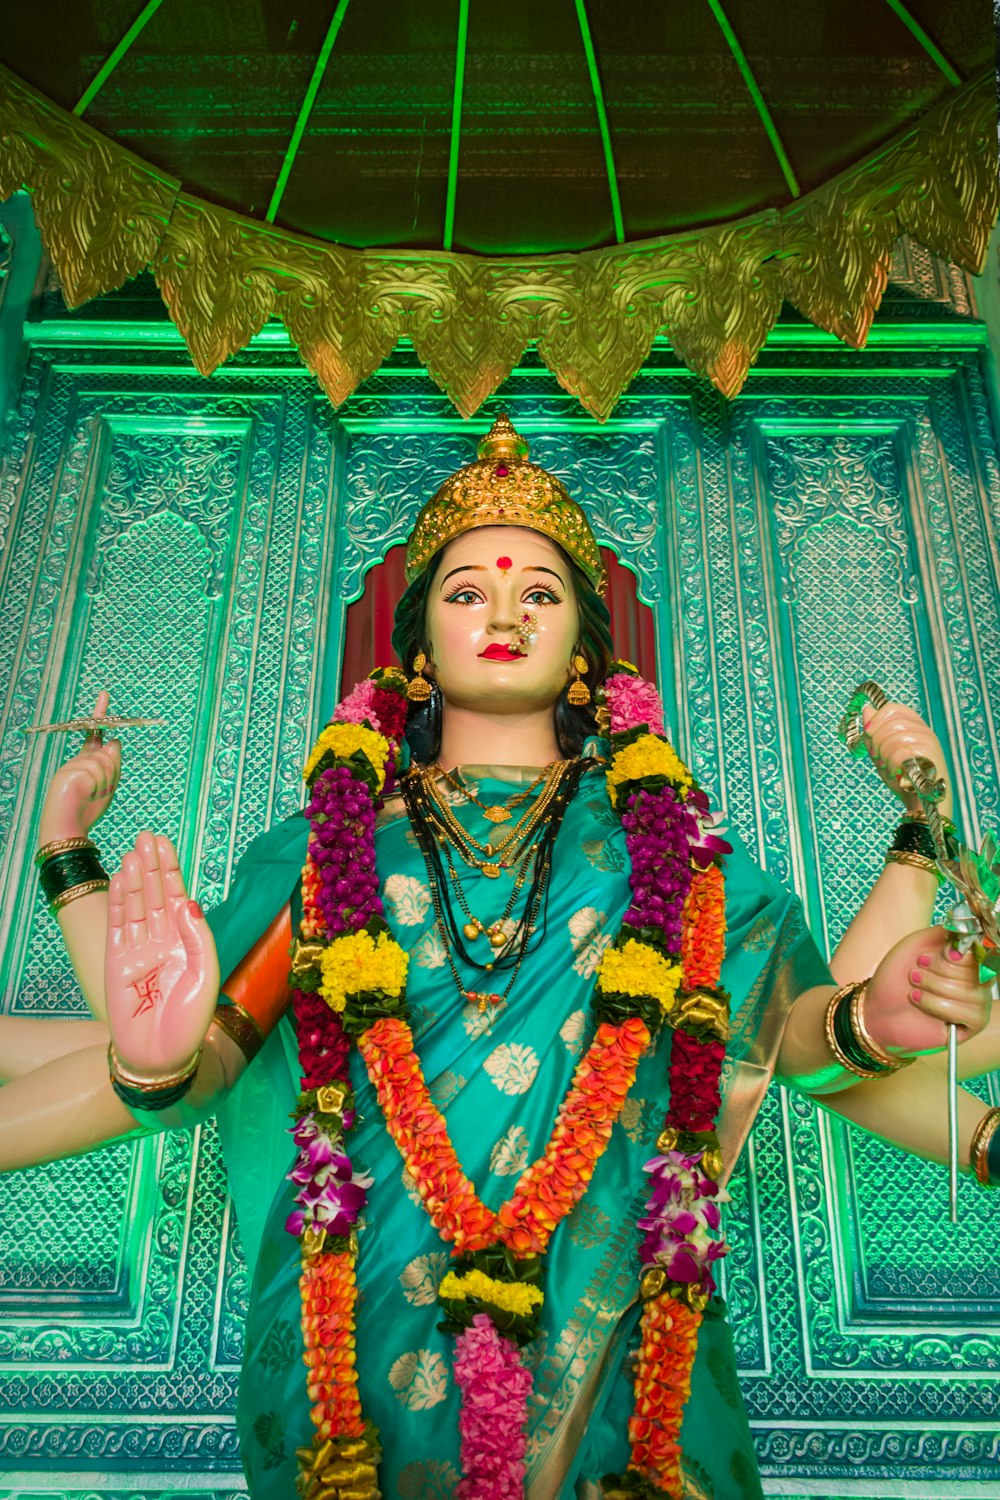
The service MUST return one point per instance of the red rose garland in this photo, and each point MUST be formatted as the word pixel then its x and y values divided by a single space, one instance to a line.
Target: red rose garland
pixel 349 980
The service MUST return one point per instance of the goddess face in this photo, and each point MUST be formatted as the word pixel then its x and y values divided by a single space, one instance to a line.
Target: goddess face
pixel 484 582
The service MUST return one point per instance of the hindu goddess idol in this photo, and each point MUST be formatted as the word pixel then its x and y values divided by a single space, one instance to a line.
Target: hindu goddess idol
pixel 521 1033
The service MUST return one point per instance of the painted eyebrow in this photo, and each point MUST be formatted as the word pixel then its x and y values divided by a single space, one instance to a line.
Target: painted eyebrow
pixel 479 568
pixel 469 568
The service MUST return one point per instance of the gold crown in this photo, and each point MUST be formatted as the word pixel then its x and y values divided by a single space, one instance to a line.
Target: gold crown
pixel 502 489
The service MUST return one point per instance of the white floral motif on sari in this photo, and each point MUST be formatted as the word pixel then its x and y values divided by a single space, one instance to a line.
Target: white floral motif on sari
pixel 420 1379
pixel 512 1067
pixel 572 1030
pixel 509 1156
pixel 589 940
pixel 428 952
pixel 408 899
pixel 422 1276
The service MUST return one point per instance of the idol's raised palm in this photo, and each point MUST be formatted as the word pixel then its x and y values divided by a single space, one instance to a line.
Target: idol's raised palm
pixel 162 970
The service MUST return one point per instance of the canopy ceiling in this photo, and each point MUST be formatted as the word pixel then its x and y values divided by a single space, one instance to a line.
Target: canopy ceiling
pixel 474 175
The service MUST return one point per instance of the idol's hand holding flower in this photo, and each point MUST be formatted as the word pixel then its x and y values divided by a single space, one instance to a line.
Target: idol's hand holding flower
pixel 161 968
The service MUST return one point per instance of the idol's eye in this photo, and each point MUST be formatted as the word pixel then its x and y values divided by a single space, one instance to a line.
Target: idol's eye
pixel 541 597
pixel 463 593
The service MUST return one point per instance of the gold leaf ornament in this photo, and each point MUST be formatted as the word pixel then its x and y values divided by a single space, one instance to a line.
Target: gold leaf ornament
pixel 104 215
pixel 101 211
pixel 212 271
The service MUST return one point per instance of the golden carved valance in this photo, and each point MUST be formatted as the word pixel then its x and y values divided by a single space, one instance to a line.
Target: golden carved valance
pixel 104 215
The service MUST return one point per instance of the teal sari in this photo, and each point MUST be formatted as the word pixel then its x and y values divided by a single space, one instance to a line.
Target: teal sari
pixel 499 1079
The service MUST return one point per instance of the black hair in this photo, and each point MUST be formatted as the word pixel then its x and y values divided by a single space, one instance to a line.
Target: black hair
pixel 572 725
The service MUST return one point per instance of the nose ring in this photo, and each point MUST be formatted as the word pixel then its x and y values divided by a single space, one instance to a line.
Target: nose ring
pixel 524 634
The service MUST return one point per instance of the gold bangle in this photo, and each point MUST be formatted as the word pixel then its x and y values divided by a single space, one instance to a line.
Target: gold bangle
pixel 239 1026
pixel 831 1039
pixel 911 857
pixel 979 1146
pixel 85 888
pixel 151 1085
pixel 864 1038
pixel 62 846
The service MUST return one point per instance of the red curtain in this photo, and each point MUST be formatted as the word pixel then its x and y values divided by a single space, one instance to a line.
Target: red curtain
pixel 369 620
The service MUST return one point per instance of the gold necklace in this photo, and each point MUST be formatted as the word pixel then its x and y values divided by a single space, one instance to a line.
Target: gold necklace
pixel 495 932
pixel 505 853
pixel 496 812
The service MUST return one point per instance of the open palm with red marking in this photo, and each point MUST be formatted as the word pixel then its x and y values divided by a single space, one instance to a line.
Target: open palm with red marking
pixel 161 967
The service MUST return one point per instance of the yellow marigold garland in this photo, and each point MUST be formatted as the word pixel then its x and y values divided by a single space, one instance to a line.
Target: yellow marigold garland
pixel 345 740
pixel 514 1297
pixel 648 756
pixel 637 969
pixel 358 963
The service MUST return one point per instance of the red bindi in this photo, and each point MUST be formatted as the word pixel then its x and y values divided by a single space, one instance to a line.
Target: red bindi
pixel 503 563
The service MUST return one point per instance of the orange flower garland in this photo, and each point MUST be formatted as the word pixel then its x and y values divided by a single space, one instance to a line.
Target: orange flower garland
pixel 548 1189
pixel 669 1338
pixel 329 1292
pixel 704 944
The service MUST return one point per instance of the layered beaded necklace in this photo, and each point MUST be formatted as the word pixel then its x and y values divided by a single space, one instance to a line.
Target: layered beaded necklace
pixel 528 848
pixel 349 981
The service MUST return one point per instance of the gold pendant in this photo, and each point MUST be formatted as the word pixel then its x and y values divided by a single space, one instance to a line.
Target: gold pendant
pixel 493 871
pixel 496 814
pixel 471 930
pixel 497 937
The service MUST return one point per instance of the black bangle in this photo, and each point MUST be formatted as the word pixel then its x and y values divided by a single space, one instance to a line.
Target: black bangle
pixel 146 1099
pixel 64 871
pixel 848 1042
pixel 913 838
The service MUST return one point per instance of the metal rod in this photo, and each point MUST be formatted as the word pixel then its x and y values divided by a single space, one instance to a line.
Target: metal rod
pixel 456 121
pixel 929 45
pixel 94 87
pixel 953 1124
pixel 602 120
pixel 305 109
pixel 757 97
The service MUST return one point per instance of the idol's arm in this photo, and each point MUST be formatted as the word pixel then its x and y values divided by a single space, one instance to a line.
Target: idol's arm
pixel 902 898
pixel 79 795
pixel 60 1101
pixel 65 1105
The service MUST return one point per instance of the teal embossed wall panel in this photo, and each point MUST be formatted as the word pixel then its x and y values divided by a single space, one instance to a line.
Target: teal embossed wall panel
pixel 195 544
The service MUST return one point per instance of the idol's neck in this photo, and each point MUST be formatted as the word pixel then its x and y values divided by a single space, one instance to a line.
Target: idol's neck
pixel 471 737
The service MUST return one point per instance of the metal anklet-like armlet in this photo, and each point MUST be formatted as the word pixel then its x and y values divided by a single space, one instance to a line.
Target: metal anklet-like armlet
pixel 239 1025
pixel 849 1039
pixel 985 1149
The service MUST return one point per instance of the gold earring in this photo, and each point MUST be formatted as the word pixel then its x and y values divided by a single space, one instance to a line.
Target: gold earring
pixel 579 692
pixel 418 689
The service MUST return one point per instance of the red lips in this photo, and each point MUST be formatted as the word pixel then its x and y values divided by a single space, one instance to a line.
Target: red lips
pixel 501 653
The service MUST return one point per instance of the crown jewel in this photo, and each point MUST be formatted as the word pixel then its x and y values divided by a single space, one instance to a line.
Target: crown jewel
pixel 503 489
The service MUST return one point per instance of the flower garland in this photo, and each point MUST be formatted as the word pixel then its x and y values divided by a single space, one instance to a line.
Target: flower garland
pixel 349 982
